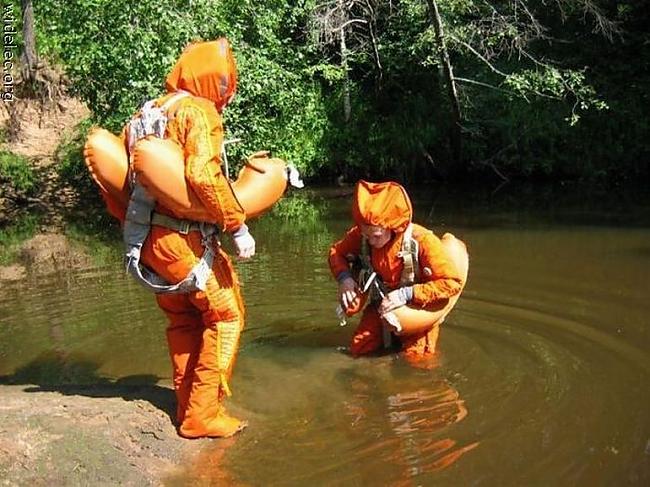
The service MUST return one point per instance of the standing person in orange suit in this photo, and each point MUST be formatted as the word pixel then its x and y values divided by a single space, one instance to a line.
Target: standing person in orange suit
pixel 205 321
pixel 412 265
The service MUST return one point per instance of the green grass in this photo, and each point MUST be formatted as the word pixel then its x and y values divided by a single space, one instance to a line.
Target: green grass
pixel 16 171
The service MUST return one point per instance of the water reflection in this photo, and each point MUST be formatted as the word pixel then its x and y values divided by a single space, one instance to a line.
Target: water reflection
pixel 319 417
pixel 418 420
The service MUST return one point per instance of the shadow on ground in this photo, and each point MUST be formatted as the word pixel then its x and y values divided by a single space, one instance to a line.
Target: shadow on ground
pixel 56 372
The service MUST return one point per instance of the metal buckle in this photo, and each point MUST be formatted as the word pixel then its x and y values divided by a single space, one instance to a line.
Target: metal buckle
pixel 184 227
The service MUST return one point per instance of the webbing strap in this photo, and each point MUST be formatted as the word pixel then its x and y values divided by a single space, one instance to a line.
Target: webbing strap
pixel 181 226
pixel 409 255
pixel 152 119
pixel 136 229
pixel 195 280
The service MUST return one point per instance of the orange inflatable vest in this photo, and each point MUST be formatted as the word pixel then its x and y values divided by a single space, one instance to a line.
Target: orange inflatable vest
pixel 106 159
pixel 417 320
pixel 158 164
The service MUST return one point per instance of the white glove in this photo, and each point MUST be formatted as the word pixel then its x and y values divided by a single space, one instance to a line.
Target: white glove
pixel 395 299
pixel 244 242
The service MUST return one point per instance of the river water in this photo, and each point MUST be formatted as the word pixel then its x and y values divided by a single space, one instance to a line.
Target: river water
pixel 543 374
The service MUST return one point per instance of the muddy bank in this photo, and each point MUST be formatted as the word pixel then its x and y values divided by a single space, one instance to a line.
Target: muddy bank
pixel 94 435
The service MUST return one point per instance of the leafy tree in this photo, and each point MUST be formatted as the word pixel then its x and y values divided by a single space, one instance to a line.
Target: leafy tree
pixel 532 88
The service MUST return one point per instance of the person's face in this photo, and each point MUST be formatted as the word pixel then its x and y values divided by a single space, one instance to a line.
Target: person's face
pixel 377 236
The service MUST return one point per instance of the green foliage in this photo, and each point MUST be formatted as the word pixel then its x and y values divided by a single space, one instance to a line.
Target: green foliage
pixel 118 54
pixel 558 84
pixel 542 88
pixel 72 170
pixel 12 236
pixel 297 208
pixel 16 172
pixel 71 165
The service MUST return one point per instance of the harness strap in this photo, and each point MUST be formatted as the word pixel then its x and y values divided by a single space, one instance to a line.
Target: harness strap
pixel 409 255
pixel 181 226
pixel 152 119
pixel 195 280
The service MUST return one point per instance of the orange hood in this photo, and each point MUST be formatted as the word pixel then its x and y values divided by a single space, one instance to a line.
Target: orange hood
pixel 206 70
pixel 382 204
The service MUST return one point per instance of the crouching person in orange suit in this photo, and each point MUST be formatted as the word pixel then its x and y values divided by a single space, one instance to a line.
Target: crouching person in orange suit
pixel 204 325
pixel 412 266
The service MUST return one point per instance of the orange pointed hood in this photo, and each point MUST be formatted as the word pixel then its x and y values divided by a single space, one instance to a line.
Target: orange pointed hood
pixel 207 70
pixel 382 204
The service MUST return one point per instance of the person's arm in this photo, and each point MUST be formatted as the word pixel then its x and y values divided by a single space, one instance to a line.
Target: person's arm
pixel 202 147
pixel 439 275
pixel 350 244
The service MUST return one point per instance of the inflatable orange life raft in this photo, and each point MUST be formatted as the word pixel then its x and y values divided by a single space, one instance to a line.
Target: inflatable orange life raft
pixel 158 165
pixel 417 320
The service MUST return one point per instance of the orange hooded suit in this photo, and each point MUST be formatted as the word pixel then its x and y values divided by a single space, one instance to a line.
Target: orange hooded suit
pixel 204 326
pixel 388 206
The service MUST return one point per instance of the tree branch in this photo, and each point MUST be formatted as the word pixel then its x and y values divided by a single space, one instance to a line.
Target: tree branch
pixel 478 55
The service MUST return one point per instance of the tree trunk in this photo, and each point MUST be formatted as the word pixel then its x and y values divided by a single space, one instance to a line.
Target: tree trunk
pixel 455 135
pixel 30 59
pixel 347 110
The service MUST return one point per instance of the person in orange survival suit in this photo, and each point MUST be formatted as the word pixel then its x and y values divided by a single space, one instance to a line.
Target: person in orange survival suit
pixel 204 326
pixel 382 213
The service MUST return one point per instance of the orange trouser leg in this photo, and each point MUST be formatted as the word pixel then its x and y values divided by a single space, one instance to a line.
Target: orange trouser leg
pixel 184 335
pixel 203 334
pixel 222 318
pixel 421 347
pixel 367 337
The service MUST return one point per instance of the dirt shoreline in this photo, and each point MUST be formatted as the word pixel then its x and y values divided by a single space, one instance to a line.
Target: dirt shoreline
pixel 93 435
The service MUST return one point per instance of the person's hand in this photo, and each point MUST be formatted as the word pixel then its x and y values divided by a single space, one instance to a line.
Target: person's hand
pixel 392 300
pixel 244 242
pixel 347 292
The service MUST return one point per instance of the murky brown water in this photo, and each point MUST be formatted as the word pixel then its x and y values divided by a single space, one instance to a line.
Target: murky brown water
pixel 544 375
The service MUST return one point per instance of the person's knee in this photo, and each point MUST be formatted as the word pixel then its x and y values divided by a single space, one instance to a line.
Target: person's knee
pixel 364 343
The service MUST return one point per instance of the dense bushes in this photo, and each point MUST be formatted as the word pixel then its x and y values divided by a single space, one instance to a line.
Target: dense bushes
pixel 118 52
pixel 532 107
